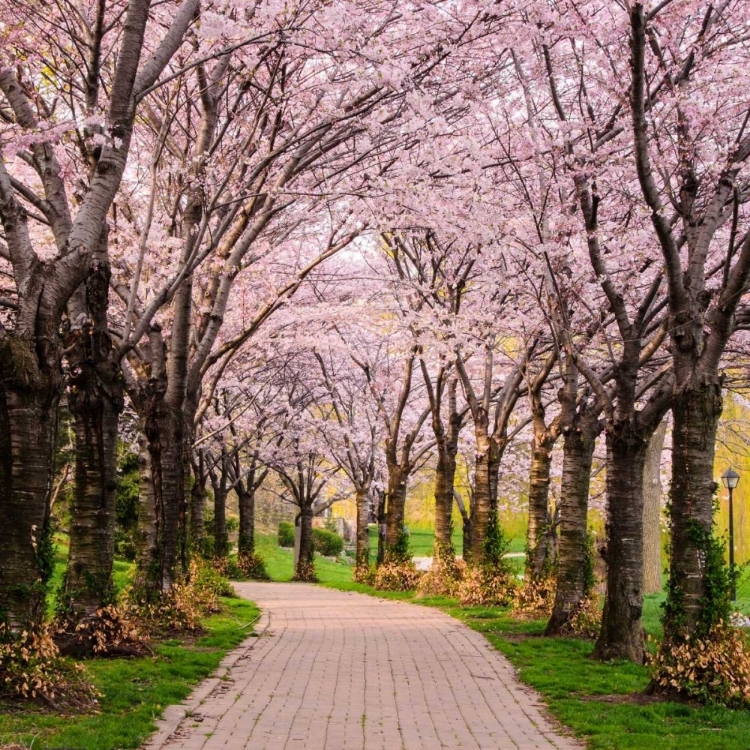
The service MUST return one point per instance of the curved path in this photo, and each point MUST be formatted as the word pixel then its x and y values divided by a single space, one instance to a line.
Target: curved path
pixel 345 671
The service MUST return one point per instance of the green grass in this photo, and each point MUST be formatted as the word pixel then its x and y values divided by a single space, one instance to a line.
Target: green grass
pixel 134 691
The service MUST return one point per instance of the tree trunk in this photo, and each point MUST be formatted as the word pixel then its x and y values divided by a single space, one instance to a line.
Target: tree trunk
pixel 165 430
pixel 305 567
pixel 578 453
pixel 95 401
pixel 652 512
pixel 482 498
pixel 539 535
pixel 221 540
pixel 444 486
pixel 382 526
pixel 696 410
pixel 362 564
pixel 147 554
pixel 28 430
pixel 198 498
pixel 96 407
pixel 621 635
pixel 246 541
pixel 395 506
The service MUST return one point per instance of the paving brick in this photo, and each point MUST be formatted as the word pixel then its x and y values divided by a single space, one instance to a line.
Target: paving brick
pixel 344 671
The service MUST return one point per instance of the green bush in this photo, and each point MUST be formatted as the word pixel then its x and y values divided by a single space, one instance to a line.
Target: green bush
pixel 328 543
pixel 286 534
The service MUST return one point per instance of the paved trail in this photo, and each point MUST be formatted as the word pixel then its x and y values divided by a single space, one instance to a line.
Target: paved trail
pixel 345 671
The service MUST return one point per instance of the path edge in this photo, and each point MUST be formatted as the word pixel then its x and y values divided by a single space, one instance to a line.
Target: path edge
pixel 172 717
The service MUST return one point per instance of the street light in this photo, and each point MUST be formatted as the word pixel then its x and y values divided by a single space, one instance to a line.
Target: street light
pixel 731 479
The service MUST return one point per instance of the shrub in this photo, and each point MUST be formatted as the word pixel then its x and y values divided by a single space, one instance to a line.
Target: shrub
pixel 714 669
pixel 396 576
pixel 488 586
pixel 327 543
pixel 536 597
pixel 252 567
pixel 110 631
pixel 443 578
pixel 587 619
pixel 31 669
pixel 286 534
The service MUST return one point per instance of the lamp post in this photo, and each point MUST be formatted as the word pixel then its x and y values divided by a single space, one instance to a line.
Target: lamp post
pixel 731 479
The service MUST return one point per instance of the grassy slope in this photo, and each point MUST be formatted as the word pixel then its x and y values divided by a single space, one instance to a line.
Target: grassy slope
pixel 591 698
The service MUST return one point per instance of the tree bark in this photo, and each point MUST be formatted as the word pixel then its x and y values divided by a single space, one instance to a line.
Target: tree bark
pixel 578 453
pixel 696 410
pixel 362 557
pixel 652 569
pixel 622 635
pixel 221 541
pixel 445 475
pixel 96 401
pixel 485 465
pixel 540 548
pixel 28 429
pixel 246 541
pixel 305 568
pixel 382 526
pixel 395 505
pixel 198 496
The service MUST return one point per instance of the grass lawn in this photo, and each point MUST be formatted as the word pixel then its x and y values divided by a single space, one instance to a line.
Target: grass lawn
pixel 134 691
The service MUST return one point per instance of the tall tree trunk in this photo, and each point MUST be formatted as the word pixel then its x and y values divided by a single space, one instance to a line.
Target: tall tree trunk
pixel 305 568
pixel 382 526
pixel 221 541
pixel 696 409
pixel 95 401
pixel 395 506
pixel 652 512
pixel 482 500
pixel 444 487
pixel 362 558
pixel 146 548
pixel 539 534
pixel 621 635
pixel 578 453
pixel 246 541
pixel 198 498
pixel 96 408
pixel 165 430
pixel 28 430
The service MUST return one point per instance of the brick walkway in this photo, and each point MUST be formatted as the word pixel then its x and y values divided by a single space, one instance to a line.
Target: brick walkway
pixel 345 671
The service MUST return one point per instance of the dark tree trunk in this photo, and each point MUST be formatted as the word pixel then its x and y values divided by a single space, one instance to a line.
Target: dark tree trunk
pixel 652 512
pixel 221 540
pixel 444 487
pixel 198 497
pixel 362 564
pixel 165 430
pixel 95 401
pixel 696 410
pixel 28 430
pixel 578 452
pixel 246 541
pixel 395 505
pixel 540 548
pixel 622 635
pixel 484 496
pixel 305 569
pixel 381 520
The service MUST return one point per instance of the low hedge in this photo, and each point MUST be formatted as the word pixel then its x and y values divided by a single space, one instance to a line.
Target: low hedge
pixel 328 543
